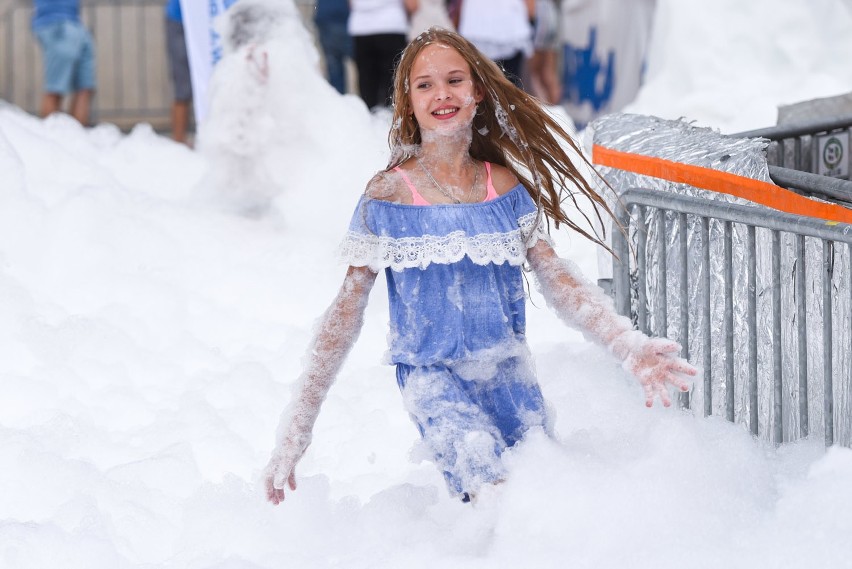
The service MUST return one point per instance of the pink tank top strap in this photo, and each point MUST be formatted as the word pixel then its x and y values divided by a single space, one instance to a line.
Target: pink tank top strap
pixel 491 193
pixel 416 198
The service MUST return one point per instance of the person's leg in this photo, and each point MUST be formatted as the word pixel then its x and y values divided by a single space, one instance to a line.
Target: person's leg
pixel 550 77
pixel 81 104
pixel 50 103
pixel 59 52
pixel 84 77
pixel 335 41
pixel 533 68
pixel 180 120
pixel 368 69
pixel 512 68
pixel 390 46
pixel 363 64
pixel 511 399
pixel 178 60
pixel 464 443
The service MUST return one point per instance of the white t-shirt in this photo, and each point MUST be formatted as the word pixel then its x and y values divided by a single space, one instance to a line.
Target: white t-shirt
pixel 369 17
pixel 499 28
pixel 429 13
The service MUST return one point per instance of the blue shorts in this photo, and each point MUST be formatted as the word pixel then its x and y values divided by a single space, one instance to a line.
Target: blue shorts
pixel 467 424
pixel 69 57
pixel 178 60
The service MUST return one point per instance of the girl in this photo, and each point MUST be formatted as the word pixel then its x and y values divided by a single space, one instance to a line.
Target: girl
pixel 476 170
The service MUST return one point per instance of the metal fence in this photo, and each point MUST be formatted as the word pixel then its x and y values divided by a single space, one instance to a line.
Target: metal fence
pixel 802 147
pixel 761 300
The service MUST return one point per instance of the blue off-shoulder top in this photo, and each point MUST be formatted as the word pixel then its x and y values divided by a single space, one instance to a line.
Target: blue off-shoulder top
pixel 453 274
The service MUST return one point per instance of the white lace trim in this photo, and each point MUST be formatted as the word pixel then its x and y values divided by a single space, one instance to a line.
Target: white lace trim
pixel 379 252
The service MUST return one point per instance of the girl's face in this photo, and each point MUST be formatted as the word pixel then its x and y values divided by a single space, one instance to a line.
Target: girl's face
pixel 442 92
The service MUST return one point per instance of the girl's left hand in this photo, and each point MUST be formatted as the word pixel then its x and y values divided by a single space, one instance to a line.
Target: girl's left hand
pixel 656 364
pixel 281 469
pixel 276 495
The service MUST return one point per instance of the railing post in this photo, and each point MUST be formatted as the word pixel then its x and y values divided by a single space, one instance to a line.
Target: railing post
pixel 777 377
pixel 707 347
pixel 827 326
pixel 663 311
pixel 802 328
pixel 684 294
pixel 621 262
pixel 642 271
pixel 751 267
pixel 729 322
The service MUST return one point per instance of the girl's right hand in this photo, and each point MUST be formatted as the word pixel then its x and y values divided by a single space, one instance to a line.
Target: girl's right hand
pixel 276 495
pixel 281 469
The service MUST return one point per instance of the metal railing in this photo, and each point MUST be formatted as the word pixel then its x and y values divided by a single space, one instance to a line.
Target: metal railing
pixel 795 146
pixel 760 299
pixel 813 185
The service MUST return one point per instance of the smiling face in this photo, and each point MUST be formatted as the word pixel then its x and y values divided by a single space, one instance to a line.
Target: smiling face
pixel 442 92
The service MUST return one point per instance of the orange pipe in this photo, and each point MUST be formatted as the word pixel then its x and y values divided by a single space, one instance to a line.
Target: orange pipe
pixel 764 193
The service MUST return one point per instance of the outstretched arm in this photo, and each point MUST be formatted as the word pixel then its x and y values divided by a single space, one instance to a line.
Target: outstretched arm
pixel 337 332
pixel 654 361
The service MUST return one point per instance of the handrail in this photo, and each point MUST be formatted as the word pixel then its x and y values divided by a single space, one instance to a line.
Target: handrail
pixel 812 183
pixel 792 131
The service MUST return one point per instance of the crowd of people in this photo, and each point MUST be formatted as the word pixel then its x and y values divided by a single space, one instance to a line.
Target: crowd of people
pixel 521 36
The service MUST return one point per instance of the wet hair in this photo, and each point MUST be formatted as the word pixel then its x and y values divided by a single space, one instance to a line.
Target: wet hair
pixel 510 128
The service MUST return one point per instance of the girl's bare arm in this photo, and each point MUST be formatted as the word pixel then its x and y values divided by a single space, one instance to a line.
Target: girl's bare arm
pixel 654 361
pixel 336 334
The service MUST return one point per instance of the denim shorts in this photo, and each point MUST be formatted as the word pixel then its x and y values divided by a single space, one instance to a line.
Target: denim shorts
pixel 69 57
pixel 178 60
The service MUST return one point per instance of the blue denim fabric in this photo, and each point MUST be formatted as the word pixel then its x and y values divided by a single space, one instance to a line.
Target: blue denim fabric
pixel 447 312
pixel 69 57
pixel 336 47
pixel 48 12
pixel 331 11
pixel 468 424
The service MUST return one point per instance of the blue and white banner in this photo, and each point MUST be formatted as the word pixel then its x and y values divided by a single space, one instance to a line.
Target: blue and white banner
pixel 203 45
pixel 604 44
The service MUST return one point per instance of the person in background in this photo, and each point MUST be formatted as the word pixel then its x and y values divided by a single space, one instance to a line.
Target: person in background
pixel 429 14
pixel 541 66
pixel 68 55
pixel 378 29
pixel 501 29
pixel 178 71
pixel 331 18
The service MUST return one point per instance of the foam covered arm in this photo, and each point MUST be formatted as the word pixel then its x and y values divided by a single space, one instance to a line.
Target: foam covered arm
pixel 581 304
pixel 336 334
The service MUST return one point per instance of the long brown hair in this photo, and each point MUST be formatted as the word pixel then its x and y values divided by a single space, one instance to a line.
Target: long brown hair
pixel 510 128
